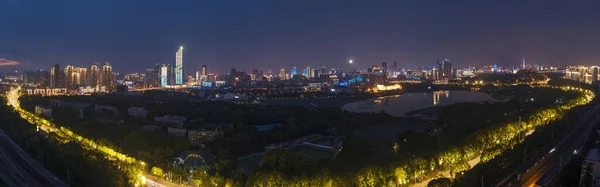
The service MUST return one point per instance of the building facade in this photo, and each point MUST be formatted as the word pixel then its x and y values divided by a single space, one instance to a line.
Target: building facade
pixel 179 66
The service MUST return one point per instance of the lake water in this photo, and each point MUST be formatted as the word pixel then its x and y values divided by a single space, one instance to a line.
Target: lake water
pixel 399 105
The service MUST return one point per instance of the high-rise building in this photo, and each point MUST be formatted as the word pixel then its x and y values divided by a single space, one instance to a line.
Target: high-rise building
pixel 308 72
pixel 394 66
pixel 107 77
pixel 171 75
pixel 282 74
pixel 293 72
pixel 82 80
pixel 204 71
pixel 164 75
pixel 198 77
pixel 93 76
pixel 69 76
pixel 149 78
pixel 323 70
pixel 384 68
pixel 54 76
pixel 157 71
pixel 447 68
pixel 179 66
pixel 594 74
pixel 523 61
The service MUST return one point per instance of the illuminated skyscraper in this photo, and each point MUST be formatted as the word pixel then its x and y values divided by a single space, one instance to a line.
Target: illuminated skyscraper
pixel 69 76
pixel 164 73
pixel 179 66
pixel 156 81
pixel 307 70
pixel 82 79
pixel 523 60
pixel 447 68
pixel 198 77
pixel 55 77
pixel 282 74
pixel 293 72
pixel 93 74
pixel 107 76
pixel 204 73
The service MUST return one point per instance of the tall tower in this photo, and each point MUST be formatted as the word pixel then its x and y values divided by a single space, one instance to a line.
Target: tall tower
pixel 107 76
pixel 83 78
pixel 308 72
pixel 198 77
pixel 69 76
pixel 447 69
pixel 94 75
pixel 164 73
pixel 156 78
pixel 282 74
pixel 523 60
pixel 179 66
pixel 204 72
pixel 149 78
pixel 55 76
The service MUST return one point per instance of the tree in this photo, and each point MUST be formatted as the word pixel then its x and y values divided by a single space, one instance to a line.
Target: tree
pixel 371 176
pixel 440 182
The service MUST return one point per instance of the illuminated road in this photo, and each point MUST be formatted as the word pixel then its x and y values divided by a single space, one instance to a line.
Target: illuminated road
pixel 17 168
pixel 549 162
pixel 135 167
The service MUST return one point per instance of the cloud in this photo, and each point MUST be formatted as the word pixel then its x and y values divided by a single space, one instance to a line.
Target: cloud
pixel 6 62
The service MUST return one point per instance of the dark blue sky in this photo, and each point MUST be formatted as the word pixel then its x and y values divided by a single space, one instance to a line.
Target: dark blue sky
pixel 133 36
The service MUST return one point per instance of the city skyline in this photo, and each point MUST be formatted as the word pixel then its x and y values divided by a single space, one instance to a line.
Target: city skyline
pixel 242 36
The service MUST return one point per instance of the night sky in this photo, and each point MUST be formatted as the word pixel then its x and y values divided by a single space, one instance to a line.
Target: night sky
pixel 133 36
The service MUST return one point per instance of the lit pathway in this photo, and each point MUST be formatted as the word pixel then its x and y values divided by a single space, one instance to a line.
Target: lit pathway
pixel 446 174
pixel 136 167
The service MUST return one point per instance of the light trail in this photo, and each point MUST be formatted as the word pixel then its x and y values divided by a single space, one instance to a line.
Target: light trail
pixel 133 167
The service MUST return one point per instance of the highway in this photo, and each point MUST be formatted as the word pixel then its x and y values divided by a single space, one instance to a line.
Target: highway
pixel 17 168
pixel 542 168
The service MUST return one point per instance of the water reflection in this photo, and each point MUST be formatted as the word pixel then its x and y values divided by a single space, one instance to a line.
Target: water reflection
pixel 398 105
pixel 436 96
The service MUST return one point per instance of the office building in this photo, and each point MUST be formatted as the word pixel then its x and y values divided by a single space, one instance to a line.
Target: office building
pixel 56 77
pixel 204 72
pixel 179 66
pixel 164 75
pixel 447 68
pixel 157 71
pixel 149 78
